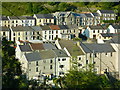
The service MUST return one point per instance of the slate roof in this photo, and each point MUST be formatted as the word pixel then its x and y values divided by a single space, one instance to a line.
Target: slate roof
pixel 4 29
pixel 63 26
pixel 106 11
pixel 46 27
pixel 44 15
pixel 36 28
pixel 20 28
pixel 109 34
pixel 37 46
pixel 115 39
pixel 4 18
pixel 95 14
pixel 88 15
pixel 98 48
pixel 60 53
pixel 98 27
pixel 47 54
pixel 25 48
pixel 34 56
pixel 21 17
pixel 116 26
pixel 72 48
pixel 48 46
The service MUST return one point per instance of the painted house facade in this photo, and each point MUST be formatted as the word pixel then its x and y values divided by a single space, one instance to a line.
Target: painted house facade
pixel 44 19
pixel 93 31
pixel 102 56
pixel 21 21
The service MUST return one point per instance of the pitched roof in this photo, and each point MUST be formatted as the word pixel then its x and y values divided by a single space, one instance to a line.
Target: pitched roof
pixel 106 11
pixel 37 46
pixel 4 29
pixel 88 15
pixel 63 26
pixel 44 15
pixel 21 17
pixel 109 34
pixel 25 48
pixel 54 27
pixel 72 48
pixel 34 56
pixel 98 27
pixel 21 28
pixel 115 39
pixel 97 48
pixel 48 46
pixel 116 26
pixel 60 53
pixel 47 54
pixel 95 14
pixel 46 27
pixel 4 18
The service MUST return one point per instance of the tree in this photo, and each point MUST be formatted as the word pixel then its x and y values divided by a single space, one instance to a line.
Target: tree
pixel 11 67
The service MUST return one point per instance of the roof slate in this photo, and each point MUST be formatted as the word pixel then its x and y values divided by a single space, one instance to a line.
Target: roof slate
pixel 34 56
pixel 25 48
pixel 106 11
pixel 44 16
pixel 98 27
pixel 97 48
pixel 73 49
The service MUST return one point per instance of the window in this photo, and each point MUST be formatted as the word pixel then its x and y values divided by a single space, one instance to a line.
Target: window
pixel 111 54
pixel 29 69
pixel 19 33
pixel 95 55
pixel 44 61
pixel 45 32
pixel 58 59
pixel 51 61
pixel 61 73
pixel 86 61
pixel 26 38
pixel 79 58
pixel 36 69
pixel 63 59
pixel 44 67
pixel 61 66
pixel 40 20
pixel 18 38
pixel 56 32
pixel 93 31
pixel 98 31
pixel 3 33
pixel 36 63
pixel 79 64
pixel 50 66
pixel 16 21
pixel 12 21
pixel 90 55
pixel 105 53
pixel 13 34
pixel 50 20
pixel 26 33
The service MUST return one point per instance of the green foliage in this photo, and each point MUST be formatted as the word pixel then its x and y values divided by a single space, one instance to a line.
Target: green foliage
pixel 28 8
pixel 11 68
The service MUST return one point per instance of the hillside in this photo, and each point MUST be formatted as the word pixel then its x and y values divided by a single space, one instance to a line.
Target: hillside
pixel 29 8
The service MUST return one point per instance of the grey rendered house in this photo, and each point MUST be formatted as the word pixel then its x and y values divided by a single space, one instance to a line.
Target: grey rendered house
pixel 102 56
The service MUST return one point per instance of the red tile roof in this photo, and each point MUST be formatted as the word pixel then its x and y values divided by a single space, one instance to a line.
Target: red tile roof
pixel 37 46
pixel 54 27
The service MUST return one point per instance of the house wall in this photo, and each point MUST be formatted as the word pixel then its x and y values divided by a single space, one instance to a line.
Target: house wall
pixel 103 61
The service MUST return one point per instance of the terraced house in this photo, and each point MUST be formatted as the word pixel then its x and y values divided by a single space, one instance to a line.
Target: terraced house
pixel 44 19
pixel 42 59
pixel 21 21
